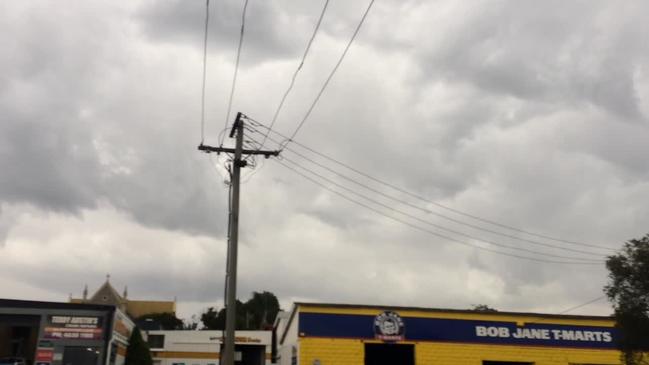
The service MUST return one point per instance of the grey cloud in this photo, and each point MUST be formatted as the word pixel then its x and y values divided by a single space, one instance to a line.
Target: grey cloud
pixel 53 167
pixel 270 32
pixel 6 222
pixel 532 52
pixel 275 30
pixel 68 140
pixel 510 111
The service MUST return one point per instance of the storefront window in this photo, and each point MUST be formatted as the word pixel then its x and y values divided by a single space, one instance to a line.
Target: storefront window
pixel 156 341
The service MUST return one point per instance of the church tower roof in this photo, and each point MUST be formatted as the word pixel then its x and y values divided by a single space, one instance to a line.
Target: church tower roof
pixel 106 294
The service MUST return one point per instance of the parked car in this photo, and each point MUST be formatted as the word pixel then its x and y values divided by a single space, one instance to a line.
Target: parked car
pixel 13 361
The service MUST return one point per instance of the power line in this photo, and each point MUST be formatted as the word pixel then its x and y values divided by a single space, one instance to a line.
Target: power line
pixel 425 200
pixel 369 199
pixel 429 211
pixel 213 164
pixel 583 304
pixel 236 66
pixel 331 75
pixel 255 170
pixel 207 21
pixel 385 206
pixel 427 230
pixel 297 70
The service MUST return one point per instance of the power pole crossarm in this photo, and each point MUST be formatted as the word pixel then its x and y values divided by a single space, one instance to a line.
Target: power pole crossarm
pixel 231 284
pixel 209 149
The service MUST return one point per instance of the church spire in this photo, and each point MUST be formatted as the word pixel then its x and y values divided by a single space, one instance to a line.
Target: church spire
pixel 85 292
pixel 125 292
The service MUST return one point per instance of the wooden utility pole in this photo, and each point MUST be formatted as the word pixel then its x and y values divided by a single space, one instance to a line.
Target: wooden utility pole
pixel 231 284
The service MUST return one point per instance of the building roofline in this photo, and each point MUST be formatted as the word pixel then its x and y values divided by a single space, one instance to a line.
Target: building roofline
pixel 111 289
pixel 288 323
pixel 208 331
pixel 148 301
pixel 446 310
pixel 19 303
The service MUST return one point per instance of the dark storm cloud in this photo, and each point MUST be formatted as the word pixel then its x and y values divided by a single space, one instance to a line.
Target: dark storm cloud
pixel 48 164
pixel 69 141
pixel 270 32
pixel 47 159
pixel 581 54
pixel 529 114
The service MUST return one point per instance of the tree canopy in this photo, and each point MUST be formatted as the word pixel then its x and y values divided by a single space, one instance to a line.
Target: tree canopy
pixel 257 313
pixel 166 321
pixel 137 352
pixel 483 308
pixel 628 290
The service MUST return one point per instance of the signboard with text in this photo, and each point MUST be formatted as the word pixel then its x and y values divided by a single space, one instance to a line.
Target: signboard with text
pixel 122 326
pixel 73 327
pixel 44 355
pixel 461 330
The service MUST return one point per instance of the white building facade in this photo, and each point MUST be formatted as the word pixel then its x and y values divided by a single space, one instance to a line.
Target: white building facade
pixel 204 347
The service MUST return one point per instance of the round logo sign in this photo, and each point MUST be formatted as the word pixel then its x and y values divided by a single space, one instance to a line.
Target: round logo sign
pixel 388 326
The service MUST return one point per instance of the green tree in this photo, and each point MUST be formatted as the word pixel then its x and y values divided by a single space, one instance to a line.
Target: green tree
pixel 137 352
pixel 261 310
pixel 257 313
pixel 628 290
pixel 212 319
pixel 168 321
pixel 482 308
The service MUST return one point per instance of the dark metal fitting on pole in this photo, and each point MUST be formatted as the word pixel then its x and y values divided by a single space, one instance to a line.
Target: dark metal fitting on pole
pixel 208 149
pixel 236 124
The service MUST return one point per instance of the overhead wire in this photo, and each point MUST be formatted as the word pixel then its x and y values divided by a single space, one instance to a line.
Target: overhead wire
pixel 216 162
pixel 425 230
pixel 385 206
pixel 253 145
pixel 331 74
pixel 207 22
pixel 428 211
pixel 236 66
pixel 213 164
pixel 297 70
pixel 426 200
pixel 256 169
pixel 583 304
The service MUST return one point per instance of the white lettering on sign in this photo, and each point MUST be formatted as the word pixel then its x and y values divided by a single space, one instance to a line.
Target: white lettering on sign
pixel 575 335
pixel 532 333
pixel 60 319
pixel 483 331
pixel 84 320
pixel 75 321
pixel 544 334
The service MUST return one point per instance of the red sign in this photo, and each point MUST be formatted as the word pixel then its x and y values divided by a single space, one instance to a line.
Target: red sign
pixel 44 355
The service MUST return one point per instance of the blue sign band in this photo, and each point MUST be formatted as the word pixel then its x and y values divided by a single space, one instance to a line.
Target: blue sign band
pixel 458 330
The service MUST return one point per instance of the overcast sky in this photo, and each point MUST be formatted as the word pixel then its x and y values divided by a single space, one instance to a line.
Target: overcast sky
pixel 532 115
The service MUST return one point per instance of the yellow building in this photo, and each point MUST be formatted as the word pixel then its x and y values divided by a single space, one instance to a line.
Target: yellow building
pixel 334 334
pixel 107 295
